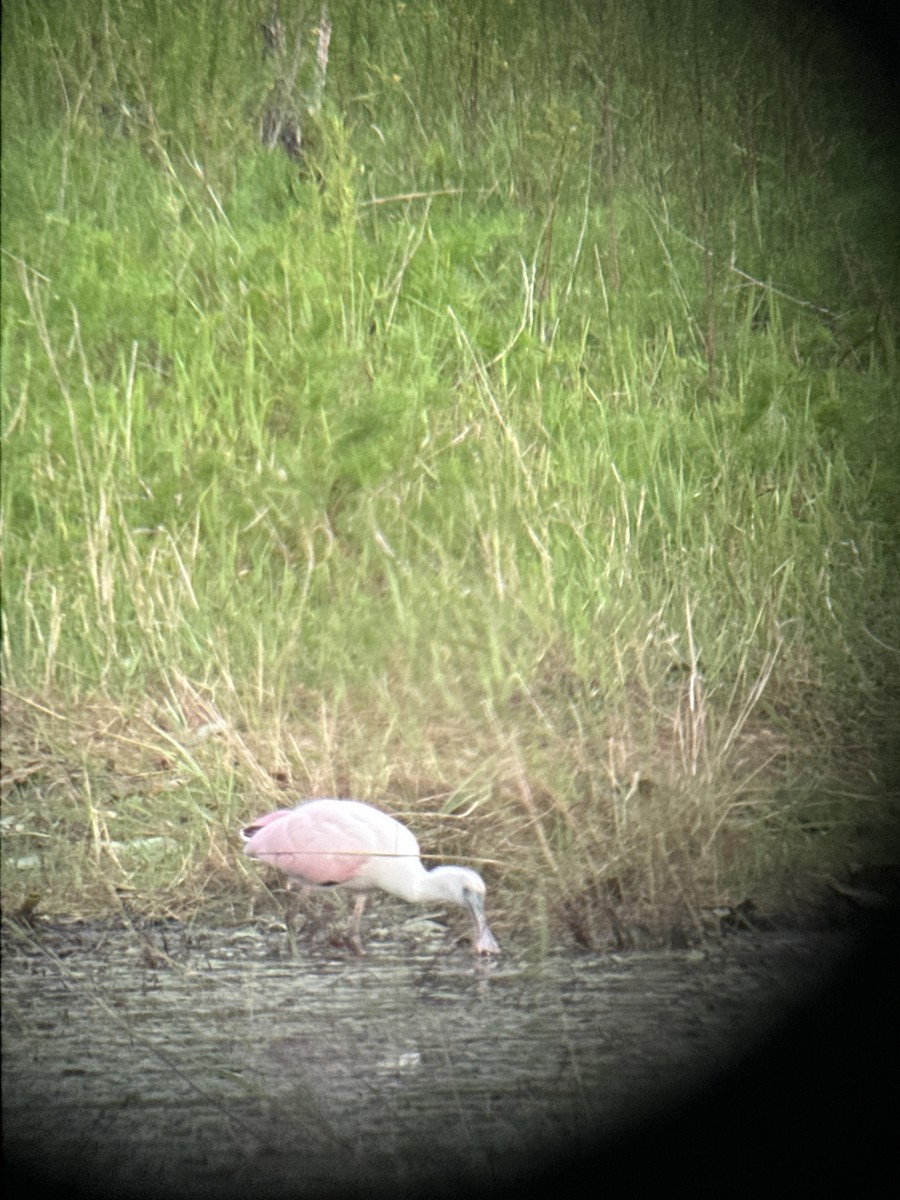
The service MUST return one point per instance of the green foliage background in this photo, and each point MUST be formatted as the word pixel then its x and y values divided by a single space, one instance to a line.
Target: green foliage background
pixel 526 449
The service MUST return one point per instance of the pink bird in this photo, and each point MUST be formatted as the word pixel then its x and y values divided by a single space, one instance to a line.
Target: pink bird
pixel 344 843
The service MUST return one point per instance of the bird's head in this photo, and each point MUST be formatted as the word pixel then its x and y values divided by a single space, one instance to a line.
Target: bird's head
pixel 460 885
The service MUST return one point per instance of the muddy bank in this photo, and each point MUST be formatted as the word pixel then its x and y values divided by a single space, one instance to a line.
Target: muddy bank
pixel 179 1061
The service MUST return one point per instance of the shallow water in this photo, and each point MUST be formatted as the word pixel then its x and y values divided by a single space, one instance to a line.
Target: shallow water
pixel 180 1061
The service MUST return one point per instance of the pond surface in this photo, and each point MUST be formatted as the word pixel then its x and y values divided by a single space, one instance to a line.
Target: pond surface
pixel 177 1061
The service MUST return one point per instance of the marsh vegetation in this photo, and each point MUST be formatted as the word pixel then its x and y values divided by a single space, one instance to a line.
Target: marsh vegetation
pixel 514 447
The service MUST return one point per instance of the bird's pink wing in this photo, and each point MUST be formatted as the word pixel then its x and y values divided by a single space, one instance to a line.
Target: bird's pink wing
pixel 258 822
pixel 311 844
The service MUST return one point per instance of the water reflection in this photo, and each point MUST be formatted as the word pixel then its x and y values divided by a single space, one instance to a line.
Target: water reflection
pixel 213 1068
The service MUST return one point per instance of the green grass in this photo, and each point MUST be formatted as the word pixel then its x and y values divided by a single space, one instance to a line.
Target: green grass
pixel 522 459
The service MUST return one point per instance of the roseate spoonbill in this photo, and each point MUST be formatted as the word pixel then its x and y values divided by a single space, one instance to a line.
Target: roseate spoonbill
pixel 345 843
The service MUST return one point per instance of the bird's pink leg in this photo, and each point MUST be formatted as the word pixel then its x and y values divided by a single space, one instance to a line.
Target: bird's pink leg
pixel 358 907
